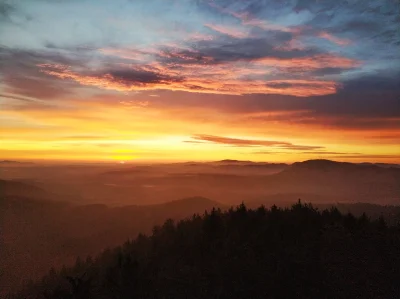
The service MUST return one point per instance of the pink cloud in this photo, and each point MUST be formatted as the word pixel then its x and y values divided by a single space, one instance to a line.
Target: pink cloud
pixel 231 31
pixel 197 82
pixel 249 20
pixel 334 39
pixel 310 63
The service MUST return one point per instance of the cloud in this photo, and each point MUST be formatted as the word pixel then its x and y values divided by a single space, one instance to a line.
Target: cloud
pixel 335 87
pixel 12 97
pixel 334 39
pixel 230 31
pixel 311 63
pixel 238 142
pixel 157 77
pixel 233 66
pixel 35 87
pixel 319 153
pixel 329 153
pixel 5 10
pixel 242 74
pixel 248 19
pixel 22 76
pixel 238 62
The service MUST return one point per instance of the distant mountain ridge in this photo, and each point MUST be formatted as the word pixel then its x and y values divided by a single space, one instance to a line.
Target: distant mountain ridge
pixel 14 162
pixel 346 181
pixel 345 168
pixel 385 165
pixel 17 188
pixel 330 164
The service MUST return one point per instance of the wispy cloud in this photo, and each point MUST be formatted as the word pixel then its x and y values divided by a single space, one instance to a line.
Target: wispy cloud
pixel 239 142
pixel 230 31
pixel 250 20
pixel 334 39
pixel 126 80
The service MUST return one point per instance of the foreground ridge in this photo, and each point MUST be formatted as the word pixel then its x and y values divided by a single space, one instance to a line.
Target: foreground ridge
pixel 263 253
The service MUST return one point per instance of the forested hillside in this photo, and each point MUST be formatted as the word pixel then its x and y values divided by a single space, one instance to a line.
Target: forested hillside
pixel 263 253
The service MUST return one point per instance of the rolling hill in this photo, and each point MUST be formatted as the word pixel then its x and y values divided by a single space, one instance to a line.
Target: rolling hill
pixel 344 181
pixel 241 253
pixel 54 233
pixel 17 188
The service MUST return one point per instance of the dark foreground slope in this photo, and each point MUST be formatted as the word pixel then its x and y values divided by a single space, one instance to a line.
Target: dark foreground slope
pixel 293 253
pixel 37 234
pixel 16 188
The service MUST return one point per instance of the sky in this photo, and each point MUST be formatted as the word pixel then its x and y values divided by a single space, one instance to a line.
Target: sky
pixel 179 80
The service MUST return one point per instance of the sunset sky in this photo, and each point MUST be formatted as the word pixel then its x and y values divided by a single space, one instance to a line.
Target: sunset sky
pixel 160 80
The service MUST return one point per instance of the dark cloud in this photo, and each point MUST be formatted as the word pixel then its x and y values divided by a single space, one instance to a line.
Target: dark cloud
pixel 279 85
pixel 174 57
pixel 13 97
pixel 21 74
pixel 378 82
pixel 5 10
pixel 26 58
pixel 253 143
pixel 329 71
pixel 17 103
pixel 10 9
pixel 352 123
pixel 139 76
pixel 29 86
pixel 359 25
pixel 365 97
pixel 247 49
pixel 369 102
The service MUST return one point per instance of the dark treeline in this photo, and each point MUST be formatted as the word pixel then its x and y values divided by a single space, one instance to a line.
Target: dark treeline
pixel 298 252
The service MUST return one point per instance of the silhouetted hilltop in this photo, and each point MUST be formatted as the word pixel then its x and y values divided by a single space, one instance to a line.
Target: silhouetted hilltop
pixel 248 163
pixel 292 253
pixel 129 171
pixel 222 166
pixel 230 161
pixel 7 161
pixel 16 188
pixel 341 171
pixel 55 233
pixel 328 165
pixel 385 165
pixel 190 204
pixel 13 162
pixel 345 181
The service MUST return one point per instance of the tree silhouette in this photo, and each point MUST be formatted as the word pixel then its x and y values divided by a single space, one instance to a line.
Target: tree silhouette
pixel 241 253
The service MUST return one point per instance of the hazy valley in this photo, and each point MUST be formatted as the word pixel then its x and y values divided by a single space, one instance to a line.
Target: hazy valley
pixel 51 214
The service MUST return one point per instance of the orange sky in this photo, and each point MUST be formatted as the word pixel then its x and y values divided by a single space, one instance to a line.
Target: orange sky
pixel 125 127
pixel 226 82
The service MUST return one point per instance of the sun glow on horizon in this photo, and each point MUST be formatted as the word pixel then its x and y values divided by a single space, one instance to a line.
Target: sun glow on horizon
pixel 228 82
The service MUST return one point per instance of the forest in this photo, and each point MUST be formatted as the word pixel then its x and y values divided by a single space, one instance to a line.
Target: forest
pixel 296 252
